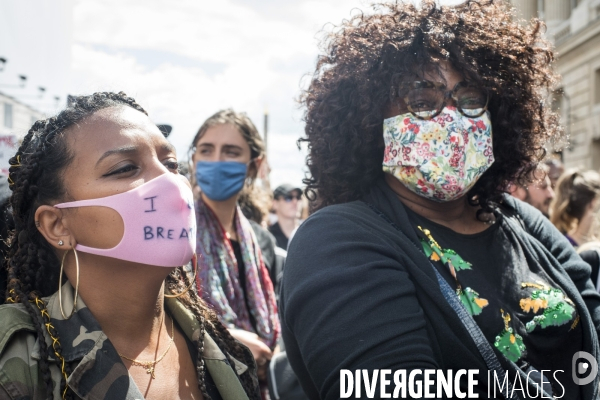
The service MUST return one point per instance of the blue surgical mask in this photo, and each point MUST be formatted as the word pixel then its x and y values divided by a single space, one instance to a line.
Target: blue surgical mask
pixel 220 180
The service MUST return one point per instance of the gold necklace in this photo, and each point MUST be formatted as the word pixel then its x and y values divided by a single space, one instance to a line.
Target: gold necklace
pixel 149 365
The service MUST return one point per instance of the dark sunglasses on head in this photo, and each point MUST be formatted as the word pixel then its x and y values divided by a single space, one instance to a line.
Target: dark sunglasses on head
pixel 425 99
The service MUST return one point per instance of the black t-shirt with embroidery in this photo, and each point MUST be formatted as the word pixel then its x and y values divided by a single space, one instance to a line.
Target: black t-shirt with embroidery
pixel 502 283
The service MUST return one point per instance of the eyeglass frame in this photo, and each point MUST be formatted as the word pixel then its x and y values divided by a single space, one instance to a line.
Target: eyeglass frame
pixel 447 94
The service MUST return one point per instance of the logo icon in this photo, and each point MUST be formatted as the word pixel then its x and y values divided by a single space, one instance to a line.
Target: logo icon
pixel 589 366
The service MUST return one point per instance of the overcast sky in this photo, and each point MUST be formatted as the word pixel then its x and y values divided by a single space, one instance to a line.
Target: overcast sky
pixel 182 60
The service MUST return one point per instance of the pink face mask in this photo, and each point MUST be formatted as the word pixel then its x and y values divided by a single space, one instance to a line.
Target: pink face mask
pixel 159 219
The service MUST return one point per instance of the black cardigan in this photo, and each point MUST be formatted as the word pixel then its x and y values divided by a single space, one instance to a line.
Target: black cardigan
pixel 357 294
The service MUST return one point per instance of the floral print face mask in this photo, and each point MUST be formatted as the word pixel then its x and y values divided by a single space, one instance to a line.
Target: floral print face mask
pixel 441 158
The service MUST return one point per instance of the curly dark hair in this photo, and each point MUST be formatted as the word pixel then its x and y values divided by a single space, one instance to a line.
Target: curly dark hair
pixel 351 88
pixel 35 178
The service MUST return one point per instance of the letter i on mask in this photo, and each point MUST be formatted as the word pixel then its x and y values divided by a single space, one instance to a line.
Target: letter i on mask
pixel 159 220
pixel 441 158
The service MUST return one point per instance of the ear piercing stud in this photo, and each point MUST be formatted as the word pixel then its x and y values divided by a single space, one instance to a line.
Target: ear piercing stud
pixel 60 242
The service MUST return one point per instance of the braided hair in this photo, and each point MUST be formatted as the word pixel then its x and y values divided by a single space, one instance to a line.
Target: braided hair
pixel 209 322
pixel 35 178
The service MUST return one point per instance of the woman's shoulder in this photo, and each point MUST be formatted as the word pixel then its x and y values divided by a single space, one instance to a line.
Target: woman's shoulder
pixel 17 343
pixel 214 349
pixel 533 221
pixel 262 234
pixel 529 215
pixel 266 242
pixel 341 209
pixel 340 220
pixel 13 318
pixel 340 237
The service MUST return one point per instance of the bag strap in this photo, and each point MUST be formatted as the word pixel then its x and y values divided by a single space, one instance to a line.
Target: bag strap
pixel 597 283
pixel 484 347
pixel 475 332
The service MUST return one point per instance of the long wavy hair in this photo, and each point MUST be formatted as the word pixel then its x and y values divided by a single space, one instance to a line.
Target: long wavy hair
pixel 351 88
pixel 33 267
pixel 575 191
pixel 253 201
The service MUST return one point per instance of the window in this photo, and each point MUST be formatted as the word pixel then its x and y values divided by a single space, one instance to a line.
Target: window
pixel 597 87
pixel 8 115
pixel 562 105
pixel 557 101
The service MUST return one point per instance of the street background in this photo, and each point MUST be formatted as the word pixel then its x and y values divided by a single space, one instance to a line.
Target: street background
pixel 185 60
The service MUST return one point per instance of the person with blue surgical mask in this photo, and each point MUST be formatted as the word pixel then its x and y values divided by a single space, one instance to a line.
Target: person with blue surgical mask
pixel 234 252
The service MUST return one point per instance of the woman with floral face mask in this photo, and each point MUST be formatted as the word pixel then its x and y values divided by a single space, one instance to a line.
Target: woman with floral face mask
pixel 97 198
pixel 235 253
pixel 416 120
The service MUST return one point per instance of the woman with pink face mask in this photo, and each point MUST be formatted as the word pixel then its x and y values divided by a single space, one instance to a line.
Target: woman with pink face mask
pixel 98 301
pixel 417 263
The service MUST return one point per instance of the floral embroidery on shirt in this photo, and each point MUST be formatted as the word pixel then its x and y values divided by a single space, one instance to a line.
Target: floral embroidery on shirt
pixel 558 308
pixel 509 343
pixel 469 298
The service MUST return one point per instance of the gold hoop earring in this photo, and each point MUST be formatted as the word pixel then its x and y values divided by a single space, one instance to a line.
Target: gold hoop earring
pixel 195 264
pixel 62 264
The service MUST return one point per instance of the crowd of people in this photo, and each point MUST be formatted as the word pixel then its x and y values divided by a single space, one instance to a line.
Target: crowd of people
pixel 571 200
pixel 442 235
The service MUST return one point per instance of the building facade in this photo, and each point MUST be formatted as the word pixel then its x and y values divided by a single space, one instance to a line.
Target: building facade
pixel 15 120
pixel 16 117
pixel 574 28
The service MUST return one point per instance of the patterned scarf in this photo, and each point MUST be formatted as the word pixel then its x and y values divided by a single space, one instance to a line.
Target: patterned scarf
pixel 218 276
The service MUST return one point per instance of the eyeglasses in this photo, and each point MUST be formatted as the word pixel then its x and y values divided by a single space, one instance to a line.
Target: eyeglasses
pixel 425 99
pixel 289 197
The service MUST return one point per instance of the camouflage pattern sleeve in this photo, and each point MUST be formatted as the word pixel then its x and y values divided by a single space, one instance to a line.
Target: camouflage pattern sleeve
pixel 19 375
pixel 97 371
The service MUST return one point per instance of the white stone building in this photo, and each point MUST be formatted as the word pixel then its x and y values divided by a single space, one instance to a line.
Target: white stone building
pixel 15 120
pixel 16 117
pixel 574 27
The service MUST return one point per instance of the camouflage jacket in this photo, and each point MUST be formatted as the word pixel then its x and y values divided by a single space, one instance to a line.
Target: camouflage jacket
pixel 97 369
